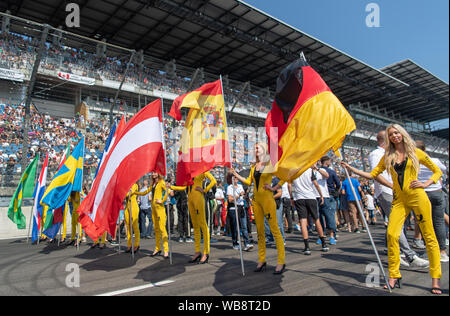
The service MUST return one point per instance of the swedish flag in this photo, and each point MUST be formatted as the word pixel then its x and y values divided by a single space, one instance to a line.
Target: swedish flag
pixel 68 179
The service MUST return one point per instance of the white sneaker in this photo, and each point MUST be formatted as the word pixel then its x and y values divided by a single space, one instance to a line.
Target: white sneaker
pixel 403 263
pixel 419 262
pixel 444 258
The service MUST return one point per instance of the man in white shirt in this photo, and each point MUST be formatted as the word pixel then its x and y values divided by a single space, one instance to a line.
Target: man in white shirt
pixel 326 213
pixel 384 196
pixel 437 200
pixel 305 203
pixel 287 205
pixel 235 194
pixel 220 199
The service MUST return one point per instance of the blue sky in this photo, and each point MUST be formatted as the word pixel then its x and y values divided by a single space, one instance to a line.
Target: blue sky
pixel 409 29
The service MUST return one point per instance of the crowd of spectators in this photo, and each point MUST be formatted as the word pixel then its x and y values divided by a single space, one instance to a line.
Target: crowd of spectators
pixel 53 135
pixel 17 52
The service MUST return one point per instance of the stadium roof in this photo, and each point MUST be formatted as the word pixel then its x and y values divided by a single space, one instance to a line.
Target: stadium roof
pixel 432 93
pixel 230 37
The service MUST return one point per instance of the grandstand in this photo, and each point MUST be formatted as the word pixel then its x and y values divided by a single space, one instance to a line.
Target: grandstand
pixel 164 48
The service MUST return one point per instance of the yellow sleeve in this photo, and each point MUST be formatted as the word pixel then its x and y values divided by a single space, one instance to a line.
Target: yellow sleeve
pixel 379 169
pixel 143 193
pixel 175 188
pixel 212 180
pixel 249 180
pixel 425 160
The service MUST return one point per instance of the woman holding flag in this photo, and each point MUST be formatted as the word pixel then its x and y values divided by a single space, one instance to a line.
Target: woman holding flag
pixel 402 160
pixel 264 206
pixel 159 197
pixel 196 205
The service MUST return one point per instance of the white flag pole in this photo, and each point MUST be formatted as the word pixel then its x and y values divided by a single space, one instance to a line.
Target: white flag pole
pixel 165 161
pixel 234 189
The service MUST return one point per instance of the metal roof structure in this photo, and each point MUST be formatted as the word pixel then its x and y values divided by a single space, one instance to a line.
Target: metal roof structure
pixel 230 37
pixel 431 94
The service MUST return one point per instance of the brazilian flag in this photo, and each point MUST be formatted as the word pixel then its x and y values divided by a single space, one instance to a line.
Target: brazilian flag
pixel 24 190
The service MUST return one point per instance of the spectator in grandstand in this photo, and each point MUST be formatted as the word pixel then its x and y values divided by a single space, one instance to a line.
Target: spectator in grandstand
pixel 437 200
pixel 402 160
pixel 384 196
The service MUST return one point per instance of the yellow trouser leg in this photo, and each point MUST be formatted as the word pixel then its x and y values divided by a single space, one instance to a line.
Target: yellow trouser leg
pixel 422 209
pixel 135 225
pixel 101 240
pixel 267 208
pixel 260 229
pixel 201 220
pixel 74 224
pixel 64 229
pixel 197 212
pixel 195 225
pixel 159 220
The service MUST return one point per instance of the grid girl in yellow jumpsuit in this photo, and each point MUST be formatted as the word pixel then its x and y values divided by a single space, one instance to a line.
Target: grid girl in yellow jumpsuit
pixel 403 159
pixel 134 218
pixel 264 205
pixel 196 205
pixel 159 197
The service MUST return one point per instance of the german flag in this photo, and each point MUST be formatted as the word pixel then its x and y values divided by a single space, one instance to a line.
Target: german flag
pixel 306 121
pixel 204 141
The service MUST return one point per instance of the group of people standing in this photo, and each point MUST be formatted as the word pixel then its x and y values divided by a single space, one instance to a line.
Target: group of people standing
pixel 406 179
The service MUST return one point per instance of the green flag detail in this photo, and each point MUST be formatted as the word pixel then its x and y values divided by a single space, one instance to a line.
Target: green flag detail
pixel 24 190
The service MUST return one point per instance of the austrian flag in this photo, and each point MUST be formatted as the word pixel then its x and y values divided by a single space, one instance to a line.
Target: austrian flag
pixel 137 151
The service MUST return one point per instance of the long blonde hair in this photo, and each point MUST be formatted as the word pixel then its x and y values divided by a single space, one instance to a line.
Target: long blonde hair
pixel 391 153
pixel 265 159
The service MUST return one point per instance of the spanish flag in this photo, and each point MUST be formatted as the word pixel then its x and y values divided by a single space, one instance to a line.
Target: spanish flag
pixel 204 141
pixel 306 121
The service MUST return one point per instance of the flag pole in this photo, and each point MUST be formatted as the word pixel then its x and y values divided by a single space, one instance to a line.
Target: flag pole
pixel 365 224
pixel 165 163
pixel 32 209
pixel 234 190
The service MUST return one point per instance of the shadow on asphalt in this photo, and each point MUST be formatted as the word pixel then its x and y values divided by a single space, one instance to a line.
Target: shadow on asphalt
pixel 229 279
pixel 162 270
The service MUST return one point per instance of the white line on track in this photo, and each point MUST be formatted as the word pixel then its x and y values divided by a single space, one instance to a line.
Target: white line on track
pixel 137 288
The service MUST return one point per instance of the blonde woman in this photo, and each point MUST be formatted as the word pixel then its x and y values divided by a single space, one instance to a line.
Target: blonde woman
pixel 159 197
pixel 264 206
pixel 402 161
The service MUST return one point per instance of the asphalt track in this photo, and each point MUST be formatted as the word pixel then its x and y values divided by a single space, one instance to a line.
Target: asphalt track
pixel 41 270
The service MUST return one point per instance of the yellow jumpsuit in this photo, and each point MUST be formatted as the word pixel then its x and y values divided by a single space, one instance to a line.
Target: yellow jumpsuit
pixel 75 199
pixel 264 205
pixel 405 200
pixel 64 229
pixel 134 217
pixel 159 214
pixel 196 205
